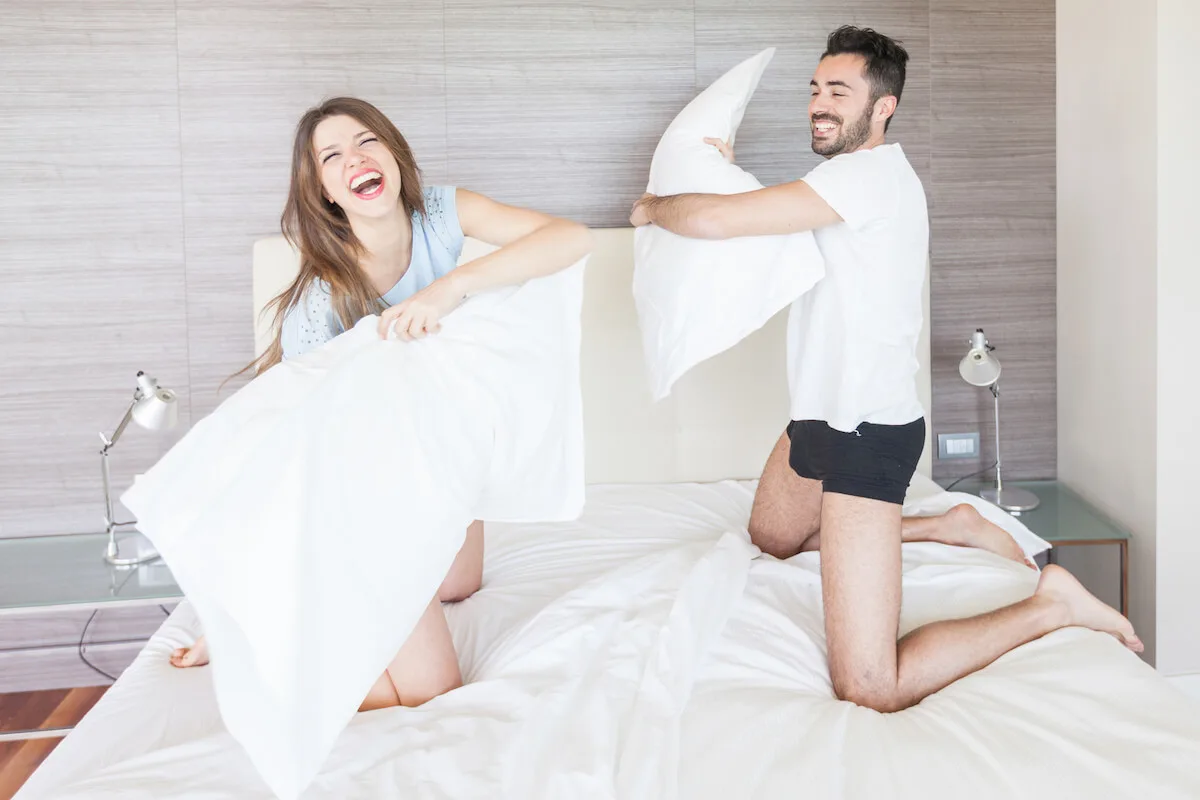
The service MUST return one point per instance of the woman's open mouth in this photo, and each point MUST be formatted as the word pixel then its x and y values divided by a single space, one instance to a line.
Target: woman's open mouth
pixel 367 185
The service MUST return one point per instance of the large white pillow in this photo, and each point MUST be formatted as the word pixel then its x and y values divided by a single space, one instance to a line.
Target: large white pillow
pixel 696 298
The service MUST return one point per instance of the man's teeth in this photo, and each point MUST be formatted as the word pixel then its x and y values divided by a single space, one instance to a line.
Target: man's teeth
pixel 361 179
pixel 825 126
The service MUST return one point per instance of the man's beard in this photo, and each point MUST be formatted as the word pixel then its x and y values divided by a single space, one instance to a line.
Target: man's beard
pixel 848 139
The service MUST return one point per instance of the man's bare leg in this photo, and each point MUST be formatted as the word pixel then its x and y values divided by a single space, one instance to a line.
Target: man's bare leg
pixel 962 526
pixel 860 575
pixel 787 508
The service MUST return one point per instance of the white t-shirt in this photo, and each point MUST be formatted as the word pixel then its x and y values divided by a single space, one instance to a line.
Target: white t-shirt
pixel 852 338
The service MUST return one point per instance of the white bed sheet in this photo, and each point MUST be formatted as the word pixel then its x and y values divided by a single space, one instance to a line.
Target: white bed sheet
pixel 648 634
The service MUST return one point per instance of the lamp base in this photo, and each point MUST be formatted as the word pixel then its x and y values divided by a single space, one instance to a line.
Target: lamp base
pixel 113 557
pixel 1012 499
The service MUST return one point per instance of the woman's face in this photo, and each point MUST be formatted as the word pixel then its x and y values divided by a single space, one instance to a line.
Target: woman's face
pixel 357 171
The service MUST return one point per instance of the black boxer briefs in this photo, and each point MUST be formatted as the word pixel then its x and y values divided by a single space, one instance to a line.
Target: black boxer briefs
pixel 875 461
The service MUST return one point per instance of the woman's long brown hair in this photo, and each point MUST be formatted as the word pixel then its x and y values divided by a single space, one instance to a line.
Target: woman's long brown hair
pixel 329 250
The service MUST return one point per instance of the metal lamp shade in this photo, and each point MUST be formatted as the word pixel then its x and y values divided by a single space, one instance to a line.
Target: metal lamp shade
pixel 979 368
pixel 157 411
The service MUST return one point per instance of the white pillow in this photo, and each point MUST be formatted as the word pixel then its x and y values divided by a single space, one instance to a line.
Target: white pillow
pixel 696 298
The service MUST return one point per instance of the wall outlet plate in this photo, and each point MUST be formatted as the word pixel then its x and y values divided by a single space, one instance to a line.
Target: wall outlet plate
pixel 958 445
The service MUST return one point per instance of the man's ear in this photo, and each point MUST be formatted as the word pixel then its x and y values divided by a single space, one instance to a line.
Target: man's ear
pixel 885 107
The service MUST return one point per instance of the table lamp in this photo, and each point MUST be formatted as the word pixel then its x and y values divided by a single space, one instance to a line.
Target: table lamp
pixel 980 368
pixel 155 409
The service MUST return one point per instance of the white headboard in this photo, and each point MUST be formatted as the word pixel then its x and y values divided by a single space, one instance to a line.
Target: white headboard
pixel 720 421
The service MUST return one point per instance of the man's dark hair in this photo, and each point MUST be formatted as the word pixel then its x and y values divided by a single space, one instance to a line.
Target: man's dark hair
pixel 885 58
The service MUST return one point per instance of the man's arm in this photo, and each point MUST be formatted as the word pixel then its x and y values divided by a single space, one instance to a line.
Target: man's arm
pixel 787 208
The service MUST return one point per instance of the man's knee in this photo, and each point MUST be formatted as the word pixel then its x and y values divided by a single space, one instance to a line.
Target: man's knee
pixel 781 537
pixel 770 542
pixel 877 695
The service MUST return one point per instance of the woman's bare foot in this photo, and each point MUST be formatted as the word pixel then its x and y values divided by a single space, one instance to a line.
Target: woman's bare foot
pixel 971 529
pixel 1083 609
pixel 194 656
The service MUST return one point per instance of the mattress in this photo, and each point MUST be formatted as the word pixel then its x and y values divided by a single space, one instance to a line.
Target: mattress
pixel 647 650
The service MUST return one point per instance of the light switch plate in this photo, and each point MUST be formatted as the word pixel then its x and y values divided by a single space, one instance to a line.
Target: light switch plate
pixel 958 445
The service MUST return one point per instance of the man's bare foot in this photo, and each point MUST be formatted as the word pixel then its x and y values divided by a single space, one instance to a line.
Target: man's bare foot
pixel 194 656
pixel 1083 609
pixel 972 529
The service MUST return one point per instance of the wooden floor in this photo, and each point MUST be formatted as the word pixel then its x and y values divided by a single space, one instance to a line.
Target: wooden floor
pixel 24 710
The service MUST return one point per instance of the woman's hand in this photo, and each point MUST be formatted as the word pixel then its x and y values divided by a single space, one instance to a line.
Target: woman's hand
pixel 726 149
pixel 422 313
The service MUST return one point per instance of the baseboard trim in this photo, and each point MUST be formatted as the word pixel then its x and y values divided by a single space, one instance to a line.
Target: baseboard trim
pixel 1189 684
pixel 39 733
pixel 59 667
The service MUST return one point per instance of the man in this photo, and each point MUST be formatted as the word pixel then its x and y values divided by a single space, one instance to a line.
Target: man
pixel 837 477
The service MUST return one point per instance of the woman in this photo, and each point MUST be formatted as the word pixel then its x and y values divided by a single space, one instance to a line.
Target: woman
pixel 372 240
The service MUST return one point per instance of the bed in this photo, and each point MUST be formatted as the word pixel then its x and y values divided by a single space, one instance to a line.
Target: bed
pixel 648 651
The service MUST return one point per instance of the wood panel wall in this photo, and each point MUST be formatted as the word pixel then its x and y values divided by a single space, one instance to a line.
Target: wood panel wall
pixel 146 146
pixel 993 225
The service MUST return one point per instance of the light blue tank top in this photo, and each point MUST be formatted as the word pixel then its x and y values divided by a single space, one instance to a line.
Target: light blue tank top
pixel 436 247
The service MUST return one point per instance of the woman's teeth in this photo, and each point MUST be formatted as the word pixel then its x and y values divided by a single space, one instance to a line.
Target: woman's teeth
pixel 360 183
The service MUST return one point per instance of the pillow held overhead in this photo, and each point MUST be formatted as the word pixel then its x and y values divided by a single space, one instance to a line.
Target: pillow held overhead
pixel 696 298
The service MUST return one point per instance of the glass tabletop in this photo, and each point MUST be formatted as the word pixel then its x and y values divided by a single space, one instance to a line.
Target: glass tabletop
pixel 1062 515
pixel 63 571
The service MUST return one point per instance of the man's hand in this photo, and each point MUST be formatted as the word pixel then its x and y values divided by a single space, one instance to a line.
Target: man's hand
pixel 641 214
pixel 726 149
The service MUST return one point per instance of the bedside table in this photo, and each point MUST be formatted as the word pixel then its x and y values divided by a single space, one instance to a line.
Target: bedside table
pixel 40 574
pixel 68 572
pixel 1065 519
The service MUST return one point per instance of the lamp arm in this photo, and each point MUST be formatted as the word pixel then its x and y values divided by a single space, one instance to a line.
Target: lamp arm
pixel 995 387
pixel 109 441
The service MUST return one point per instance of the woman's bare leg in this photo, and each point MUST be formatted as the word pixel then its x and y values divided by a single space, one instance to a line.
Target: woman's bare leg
pixel 466 573
pixel 382 694
pixel 425 667
pixel 426 664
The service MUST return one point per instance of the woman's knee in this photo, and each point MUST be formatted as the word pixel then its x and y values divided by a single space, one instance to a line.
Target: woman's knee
pixel 466 573
pixel 459 587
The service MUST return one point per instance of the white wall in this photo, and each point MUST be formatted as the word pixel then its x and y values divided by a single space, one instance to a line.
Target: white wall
pixel 1106 119
pixel 1178 320
pixel 1129 295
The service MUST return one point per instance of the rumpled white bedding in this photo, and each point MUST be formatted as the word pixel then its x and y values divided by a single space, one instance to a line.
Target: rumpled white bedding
pixel 640 653
pixel 310 519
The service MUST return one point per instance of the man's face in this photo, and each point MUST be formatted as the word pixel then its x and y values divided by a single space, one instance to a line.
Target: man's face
pixel 840 111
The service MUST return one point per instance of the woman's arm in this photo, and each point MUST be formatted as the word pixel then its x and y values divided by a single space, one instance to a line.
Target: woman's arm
pixel 532 244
